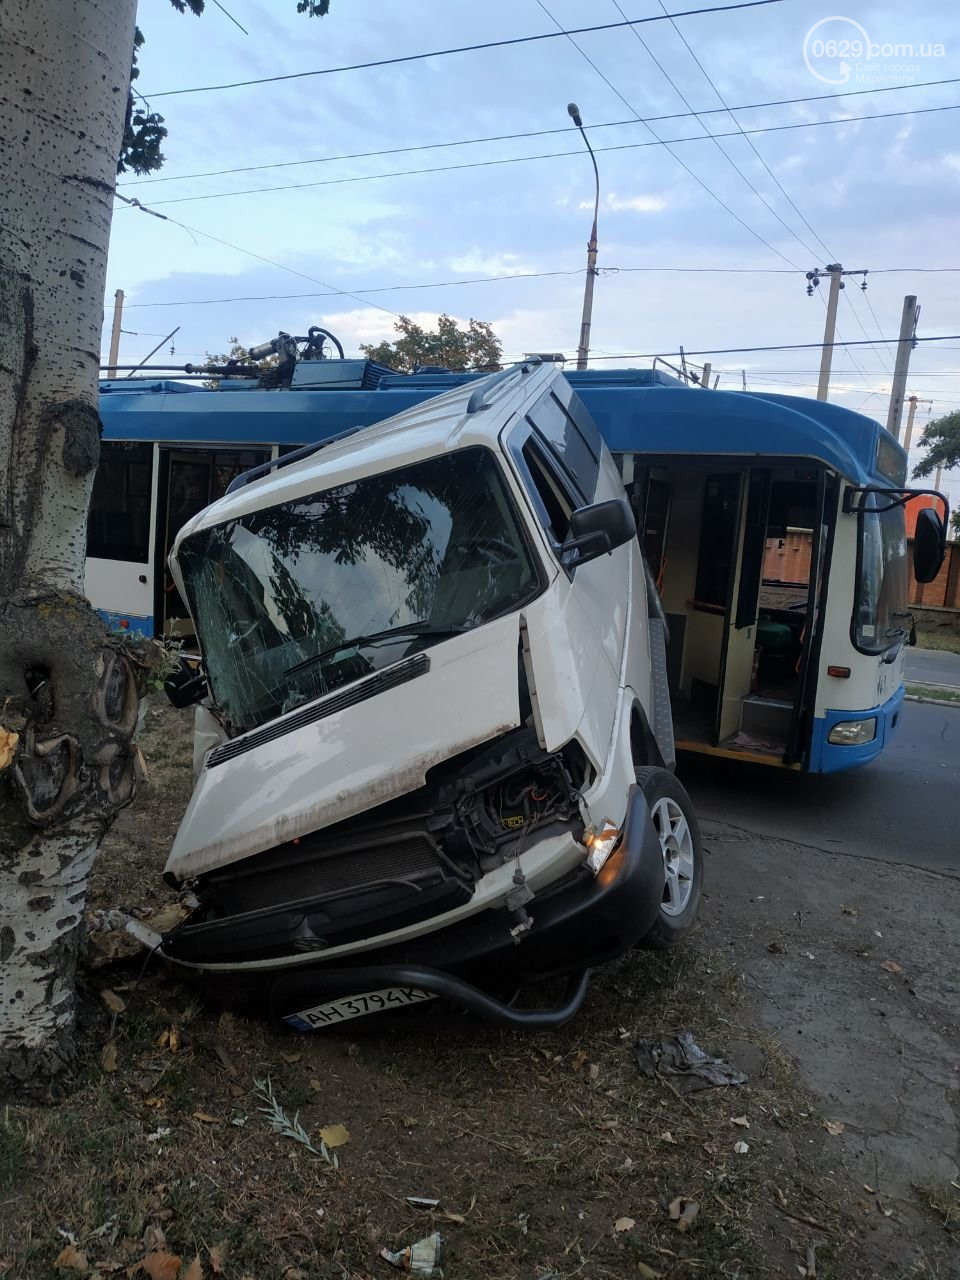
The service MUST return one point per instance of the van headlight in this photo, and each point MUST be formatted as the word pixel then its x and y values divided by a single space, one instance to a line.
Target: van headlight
pixel 851 733
pixel 600 842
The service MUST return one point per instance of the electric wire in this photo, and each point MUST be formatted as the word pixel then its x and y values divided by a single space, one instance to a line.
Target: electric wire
pixel 467 48
pixel 554 155
pixel 534 133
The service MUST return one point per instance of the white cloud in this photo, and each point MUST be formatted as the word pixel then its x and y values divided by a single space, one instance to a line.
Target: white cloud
pixel 629 204
pixel 476 263
pixel 952 160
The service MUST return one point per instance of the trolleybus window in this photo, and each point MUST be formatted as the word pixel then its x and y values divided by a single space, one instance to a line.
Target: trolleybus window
pixel 119 524
pixel 880 608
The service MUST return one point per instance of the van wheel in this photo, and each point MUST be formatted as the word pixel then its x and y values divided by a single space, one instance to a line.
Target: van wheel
pixel 679 834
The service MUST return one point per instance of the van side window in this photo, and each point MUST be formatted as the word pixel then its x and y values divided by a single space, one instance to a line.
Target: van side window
pixel 557 503
pixel 572 437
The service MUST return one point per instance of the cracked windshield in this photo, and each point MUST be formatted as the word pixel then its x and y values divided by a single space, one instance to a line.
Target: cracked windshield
pixel 299 599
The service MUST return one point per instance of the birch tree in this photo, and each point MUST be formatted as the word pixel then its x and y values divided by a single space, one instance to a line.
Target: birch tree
pixel 68 691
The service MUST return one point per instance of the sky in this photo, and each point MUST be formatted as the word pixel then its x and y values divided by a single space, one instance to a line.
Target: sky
pixel 703 243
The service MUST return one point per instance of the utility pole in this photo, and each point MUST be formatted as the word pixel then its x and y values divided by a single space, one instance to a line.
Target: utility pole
pixel 835 272
pixel 705 375
pixel 913 402
pixel 905 344
pixel 115 333
pixel 583 350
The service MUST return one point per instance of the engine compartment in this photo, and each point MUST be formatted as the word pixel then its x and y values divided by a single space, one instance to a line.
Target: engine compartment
pixel 397 863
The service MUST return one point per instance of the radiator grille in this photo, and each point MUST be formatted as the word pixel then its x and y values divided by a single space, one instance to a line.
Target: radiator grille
pixel 322 869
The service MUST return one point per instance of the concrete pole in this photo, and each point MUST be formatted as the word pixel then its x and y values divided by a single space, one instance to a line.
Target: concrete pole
pixel 835 271
pixel 115 333
pixel 908 326
pixel 910 416
pixel 705 375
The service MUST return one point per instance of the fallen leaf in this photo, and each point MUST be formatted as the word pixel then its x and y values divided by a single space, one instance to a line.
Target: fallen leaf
pixel 108 1056
pixel 579 1058
pixel 163 1039
pixel 162 1266
pixel 645 1272
pixel 112 1000
pixel 194 1271
pixel 457 1218
pixel 293 1273
pixel 683 1212
pixel 155 1102
pixel 741 1148
pixel 624 1224
pixel 316 1085
pixel 206 1118
pixel 891 966
pixel 225 1060
pixel 218 1257
pixel 609 1124
pixel 742 1121
pixel 594 1071
pixel 70 1258
pixel 235 1091
pixel 291 1058
pixel 834 1127
pixel 667 1136
pixel 8 746
pixel 781 1197
pixel 335 1135
pixel 174 1042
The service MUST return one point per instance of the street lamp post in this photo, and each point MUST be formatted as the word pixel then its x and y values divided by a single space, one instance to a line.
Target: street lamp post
pixel 583 350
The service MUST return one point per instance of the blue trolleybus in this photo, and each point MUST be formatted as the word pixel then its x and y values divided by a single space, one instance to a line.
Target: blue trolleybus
pixel 799 666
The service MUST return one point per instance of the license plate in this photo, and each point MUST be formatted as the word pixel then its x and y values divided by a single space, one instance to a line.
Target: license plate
pixel 347 1007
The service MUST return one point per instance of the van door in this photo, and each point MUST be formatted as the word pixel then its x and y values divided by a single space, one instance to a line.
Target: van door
pixel 740 628
pixel 574 632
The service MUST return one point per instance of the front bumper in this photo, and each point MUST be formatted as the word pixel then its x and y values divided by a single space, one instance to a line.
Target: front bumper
pixel 578 922
pixel 831 757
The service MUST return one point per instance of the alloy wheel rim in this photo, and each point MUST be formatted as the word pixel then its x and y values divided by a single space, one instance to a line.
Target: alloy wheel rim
pixel 676 846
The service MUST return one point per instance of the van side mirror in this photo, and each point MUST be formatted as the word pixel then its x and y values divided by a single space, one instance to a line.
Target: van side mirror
pixel 929 545
pixel 186 685
pixel 597 530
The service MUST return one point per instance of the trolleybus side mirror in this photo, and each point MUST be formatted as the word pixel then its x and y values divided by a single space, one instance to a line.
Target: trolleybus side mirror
pixel 597 530
pixel 186 685
pixel 929 545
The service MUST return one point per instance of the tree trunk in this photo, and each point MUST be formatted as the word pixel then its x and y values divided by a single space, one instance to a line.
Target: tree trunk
pixel 68 689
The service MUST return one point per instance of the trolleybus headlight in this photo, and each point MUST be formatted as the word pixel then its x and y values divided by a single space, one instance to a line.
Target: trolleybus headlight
pixel 851 733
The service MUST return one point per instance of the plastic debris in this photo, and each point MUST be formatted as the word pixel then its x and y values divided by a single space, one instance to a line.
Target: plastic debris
pixel 420 1259
pixel 422 1202
pixel 684 1064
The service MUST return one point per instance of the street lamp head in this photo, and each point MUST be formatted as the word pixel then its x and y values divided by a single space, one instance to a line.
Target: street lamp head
pixel 573 111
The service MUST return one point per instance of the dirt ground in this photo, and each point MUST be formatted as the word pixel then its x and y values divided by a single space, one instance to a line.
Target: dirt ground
pixel 831 982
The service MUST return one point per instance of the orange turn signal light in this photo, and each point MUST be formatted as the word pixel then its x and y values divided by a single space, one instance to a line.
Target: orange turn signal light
pixel 839 673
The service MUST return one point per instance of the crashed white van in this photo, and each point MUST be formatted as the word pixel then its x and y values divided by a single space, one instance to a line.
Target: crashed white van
pixel 434 748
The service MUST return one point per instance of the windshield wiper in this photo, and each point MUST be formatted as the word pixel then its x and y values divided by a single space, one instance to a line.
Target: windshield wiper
pixel 374 637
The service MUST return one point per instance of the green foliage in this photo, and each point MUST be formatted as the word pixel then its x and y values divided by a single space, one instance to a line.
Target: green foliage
pixel 476 347
pixel 143 129
pixel 941 439
pixel 955 524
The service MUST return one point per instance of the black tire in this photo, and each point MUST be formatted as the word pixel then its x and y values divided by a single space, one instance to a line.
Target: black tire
pixel 669 928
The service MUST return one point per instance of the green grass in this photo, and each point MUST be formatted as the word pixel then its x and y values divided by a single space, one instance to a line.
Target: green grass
pixel 13 1150
pixel 933 693
pixel 943 638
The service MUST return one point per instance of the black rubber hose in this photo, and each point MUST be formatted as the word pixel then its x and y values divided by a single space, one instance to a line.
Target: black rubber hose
pixel 295 989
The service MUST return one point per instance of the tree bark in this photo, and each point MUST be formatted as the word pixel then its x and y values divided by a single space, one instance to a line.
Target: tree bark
pixel 68 688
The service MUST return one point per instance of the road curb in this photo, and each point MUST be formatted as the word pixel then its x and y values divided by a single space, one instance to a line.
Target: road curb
pixel 933 702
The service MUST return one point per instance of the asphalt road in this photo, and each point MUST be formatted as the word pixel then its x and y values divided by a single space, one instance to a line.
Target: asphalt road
pixel 932 666
pixel 902 808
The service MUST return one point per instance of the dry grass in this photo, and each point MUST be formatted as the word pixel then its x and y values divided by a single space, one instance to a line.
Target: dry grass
pixel 535 1145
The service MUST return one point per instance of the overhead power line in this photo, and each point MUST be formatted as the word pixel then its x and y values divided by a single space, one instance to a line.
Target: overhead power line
pixel 513 275
pixel 465 48
pixel 531 133
pixel 550 155
pixel 783 346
